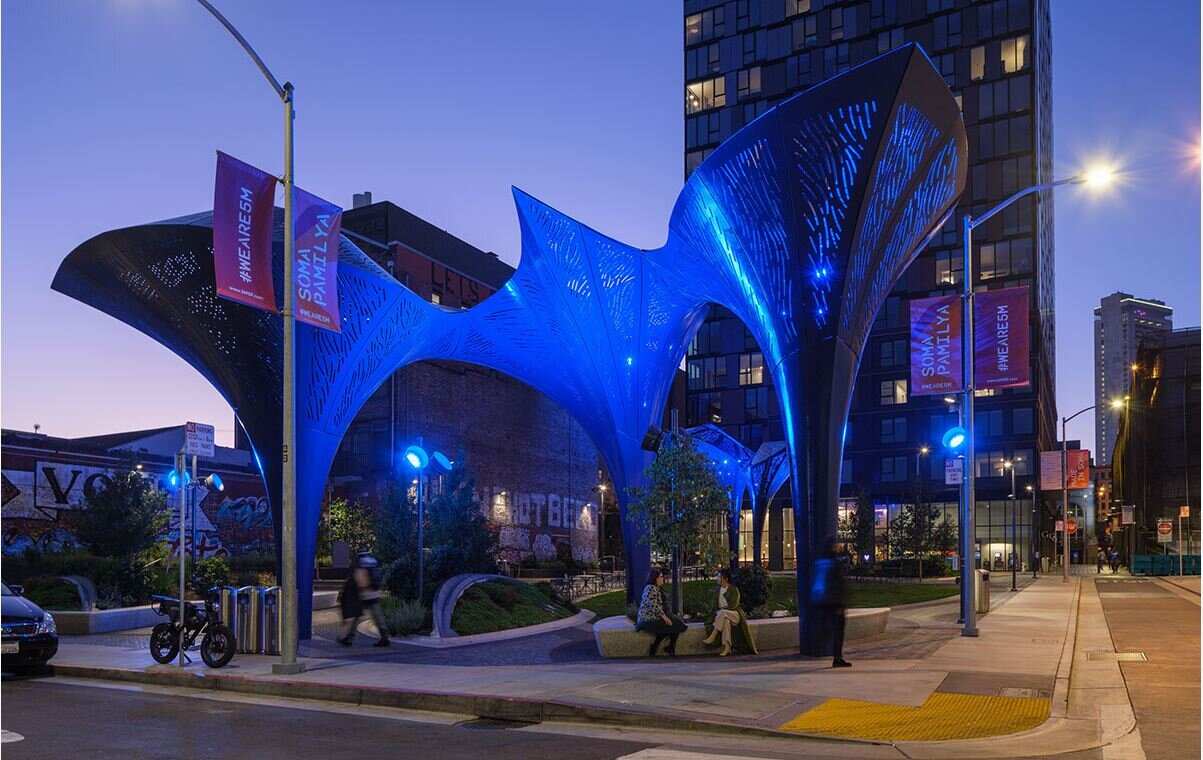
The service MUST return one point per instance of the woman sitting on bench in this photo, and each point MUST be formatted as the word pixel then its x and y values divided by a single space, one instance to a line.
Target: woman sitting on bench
pixel 729 620
pixel 654 620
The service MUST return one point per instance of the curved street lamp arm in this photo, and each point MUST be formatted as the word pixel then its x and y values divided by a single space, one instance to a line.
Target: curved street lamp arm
pixel 974 222
pixel 1075 414
pixel 280 90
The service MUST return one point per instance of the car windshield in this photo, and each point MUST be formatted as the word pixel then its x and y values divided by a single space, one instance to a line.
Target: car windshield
pixel 7 590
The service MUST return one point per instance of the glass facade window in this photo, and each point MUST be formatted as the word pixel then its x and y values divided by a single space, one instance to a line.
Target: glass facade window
pixel 704 407
pixel 800 6
pixel 707 340
pixel 704 95
pixel 746 535
pixel 756 403
pixel 837 24
pixel 989 422
pixel 990 464
pixel 892 353
pixel 748 82
pixel 977 63
pixel 889 40
pixel 846 471
pixel 805 31
pixel 946 31
pixel 702 61
pixel 1015 54
pixel 751 369
pixel 893 392
pixel 892 469
pixel 950 268
pixel 749 47
pixel 1023 421
pixel 710 372
pixel 705 25
pixel 703 130
pixel 893 430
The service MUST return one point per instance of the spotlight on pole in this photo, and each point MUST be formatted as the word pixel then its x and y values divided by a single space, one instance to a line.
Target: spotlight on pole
pixel 440 459
pixel 417 457
pixel 955 438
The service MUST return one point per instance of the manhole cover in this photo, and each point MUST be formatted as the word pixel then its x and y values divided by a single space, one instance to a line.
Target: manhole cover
pixel 1101 654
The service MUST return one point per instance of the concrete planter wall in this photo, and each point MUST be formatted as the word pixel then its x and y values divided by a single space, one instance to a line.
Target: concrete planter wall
pixel 616 636
pixel 105 621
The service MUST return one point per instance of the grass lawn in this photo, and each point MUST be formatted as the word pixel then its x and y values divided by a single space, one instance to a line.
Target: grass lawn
pixel 698 596
pixel 497 606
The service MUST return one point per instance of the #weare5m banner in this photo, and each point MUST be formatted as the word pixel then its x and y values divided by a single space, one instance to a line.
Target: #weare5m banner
pixel 243 200
pixel 1001 338
pixel 316 225
pixel 1078 461
pixel 936 345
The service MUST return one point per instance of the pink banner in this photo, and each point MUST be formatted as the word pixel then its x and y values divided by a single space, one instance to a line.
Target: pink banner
pixel 316 226
pixel 1001 338
pixel 935 345
pixel 243 201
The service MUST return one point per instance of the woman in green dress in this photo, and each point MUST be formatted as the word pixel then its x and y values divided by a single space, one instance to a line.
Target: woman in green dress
pixel 730 623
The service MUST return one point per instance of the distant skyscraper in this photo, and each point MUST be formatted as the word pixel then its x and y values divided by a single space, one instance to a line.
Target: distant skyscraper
pixel 744 56
pixel 1122 323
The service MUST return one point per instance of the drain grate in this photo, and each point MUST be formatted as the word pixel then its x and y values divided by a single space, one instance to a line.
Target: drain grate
pixel 1104 655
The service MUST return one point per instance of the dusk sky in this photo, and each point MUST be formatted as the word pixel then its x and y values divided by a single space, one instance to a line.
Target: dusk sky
pixel 112 112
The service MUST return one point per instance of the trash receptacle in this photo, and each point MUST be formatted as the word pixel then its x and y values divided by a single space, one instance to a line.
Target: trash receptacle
pixel 250 619
pixel 225 600
pixel 981 591
pixel 1044 563
pixel 273 619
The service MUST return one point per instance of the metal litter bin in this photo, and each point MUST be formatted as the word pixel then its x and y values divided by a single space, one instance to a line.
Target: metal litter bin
pixel 981 591
pixel 225 600
pixel 250 619
pixel 273 620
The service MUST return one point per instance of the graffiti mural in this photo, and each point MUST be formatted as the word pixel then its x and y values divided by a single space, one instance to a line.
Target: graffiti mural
pixel 533 524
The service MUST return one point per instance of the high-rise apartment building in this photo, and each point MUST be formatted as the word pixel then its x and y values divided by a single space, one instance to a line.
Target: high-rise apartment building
pixel 744 56
pixel 1122 323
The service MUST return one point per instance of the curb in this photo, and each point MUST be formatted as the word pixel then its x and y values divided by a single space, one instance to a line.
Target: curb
pixel 498 708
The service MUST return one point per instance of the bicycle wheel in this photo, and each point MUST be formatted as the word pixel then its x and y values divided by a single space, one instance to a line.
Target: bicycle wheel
pixel 164 642
pixel 217 646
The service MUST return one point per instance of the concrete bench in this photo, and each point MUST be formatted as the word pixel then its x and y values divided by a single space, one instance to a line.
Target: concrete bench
pixel 616 636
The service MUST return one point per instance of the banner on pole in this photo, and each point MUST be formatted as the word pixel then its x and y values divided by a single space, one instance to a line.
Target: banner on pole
pixel 1128 514
pixel 316 225
pixel 1001 338
pixel 243 203
pixel 1050 469
pixel 936 345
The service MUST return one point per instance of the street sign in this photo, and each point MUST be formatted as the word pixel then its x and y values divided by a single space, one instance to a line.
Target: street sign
pixel 1184 511
pixel 954 472
pixel 1128 516
pixel 198 439
pixel 1165 530
pixel 1060 525
pixel 1073 525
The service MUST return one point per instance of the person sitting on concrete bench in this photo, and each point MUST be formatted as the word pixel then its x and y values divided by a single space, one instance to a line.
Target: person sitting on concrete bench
pixel 654 620
pixel 730 623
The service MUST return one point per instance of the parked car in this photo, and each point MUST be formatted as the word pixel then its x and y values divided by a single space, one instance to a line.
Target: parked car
pixel 29 637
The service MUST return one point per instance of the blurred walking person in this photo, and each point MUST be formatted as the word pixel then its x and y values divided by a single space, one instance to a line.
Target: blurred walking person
pixel 362 592
pixel 829 595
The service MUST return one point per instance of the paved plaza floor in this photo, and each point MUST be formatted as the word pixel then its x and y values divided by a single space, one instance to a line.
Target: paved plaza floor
pixel 921 686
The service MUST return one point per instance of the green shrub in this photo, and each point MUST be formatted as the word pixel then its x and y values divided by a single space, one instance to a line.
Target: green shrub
pixel 209 572
pixel 755 587
pixel 52 593
pixel 500 606
pixel 403 616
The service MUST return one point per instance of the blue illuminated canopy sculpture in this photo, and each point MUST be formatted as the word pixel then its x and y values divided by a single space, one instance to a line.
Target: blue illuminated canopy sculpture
pixel 800 224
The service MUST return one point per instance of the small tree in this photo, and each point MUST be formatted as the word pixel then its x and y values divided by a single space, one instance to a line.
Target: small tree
pixel 124 519
pixel 866 526
pixel 915 532
pixel 460 537
pixel 353 523
pixel 680 505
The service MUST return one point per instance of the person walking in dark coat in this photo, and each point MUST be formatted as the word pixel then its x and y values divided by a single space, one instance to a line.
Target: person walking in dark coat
pixel 829 594
pixel 362 592
pixel 654 620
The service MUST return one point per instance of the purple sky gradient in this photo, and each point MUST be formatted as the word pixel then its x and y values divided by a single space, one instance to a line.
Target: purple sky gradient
pixel 113 110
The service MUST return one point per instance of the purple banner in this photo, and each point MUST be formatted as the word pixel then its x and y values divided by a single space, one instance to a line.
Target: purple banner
pixel 1001 338
pixel 243 200
pixel 936 345
pixel 316 225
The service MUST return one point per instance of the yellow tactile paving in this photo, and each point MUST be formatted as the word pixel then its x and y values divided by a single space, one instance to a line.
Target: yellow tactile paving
pixel 942 716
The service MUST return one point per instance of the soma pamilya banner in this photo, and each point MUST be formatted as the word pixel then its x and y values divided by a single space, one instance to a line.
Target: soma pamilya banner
pixel 936 345
pixel 243 203
pixel 316 225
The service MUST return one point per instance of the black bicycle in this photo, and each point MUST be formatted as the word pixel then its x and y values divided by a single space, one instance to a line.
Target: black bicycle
pixel 200 619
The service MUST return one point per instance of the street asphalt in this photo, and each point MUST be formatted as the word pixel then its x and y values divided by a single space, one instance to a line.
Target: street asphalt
pixel 57 720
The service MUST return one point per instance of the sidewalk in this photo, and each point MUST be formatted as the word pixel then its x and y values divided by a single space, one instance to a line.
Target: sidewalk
pixel 1011 678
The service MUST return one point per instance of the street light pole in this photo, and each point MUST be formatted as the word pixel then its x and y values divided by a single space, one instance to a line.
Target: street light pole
pixel 1010 465
pixel 288 508
pixel 1099 176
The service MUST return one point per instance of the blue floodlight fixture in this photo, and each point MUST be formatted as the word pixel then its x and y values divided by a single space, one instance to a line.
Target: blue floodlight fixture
pixel 955 438
pixel 416 457
pixel 800 223
pixel 214 483
pixel 440 459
